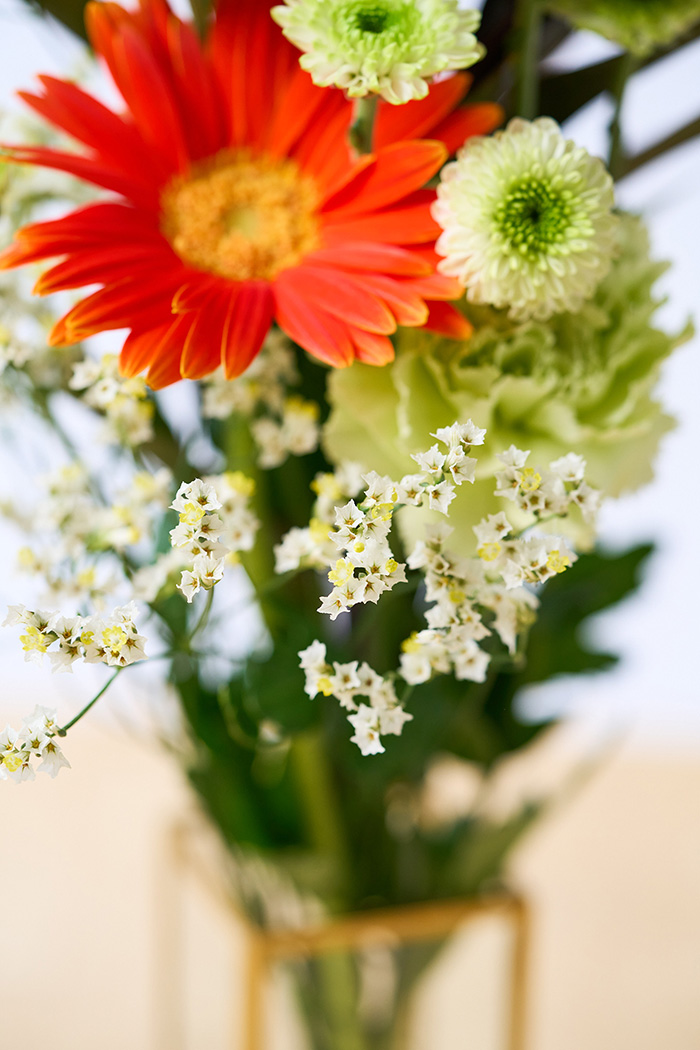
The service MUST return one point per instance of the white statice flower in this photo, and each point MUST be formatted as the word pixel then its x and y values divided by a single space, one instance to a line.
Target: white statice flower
pixel 148 581
pixel 112 640
pixel 194 499
pixel 367 567
pixel 569 468
pixel 527 220
pixel 544 493
pixel 460 435
pixel 216 523
pixel 587 499
pixel 34 748
pixel 280 424
pixel 382 715
pixel 432 461
pixel 123 401
pixel 534 559
pixel 387 47
pixel 316 545
pixel 367 736
pixel 473 604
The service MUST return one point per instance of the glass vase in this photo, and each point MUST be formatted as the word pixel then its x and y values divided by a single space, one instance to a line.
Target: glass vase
pixel 441 975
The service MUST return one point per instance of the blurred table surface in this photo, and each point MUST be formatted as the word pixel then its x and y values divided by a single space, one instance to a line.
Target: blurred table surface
pixel 613 877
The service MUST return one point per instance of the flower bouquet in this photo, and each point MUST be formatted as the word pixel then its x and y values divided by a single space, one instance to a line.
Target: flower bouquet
pixel 419 347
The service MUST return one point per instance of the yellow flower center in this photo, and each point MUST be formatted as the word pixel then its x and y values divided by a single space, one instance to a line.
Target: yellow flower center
pixel 192 514
pixel 489 551
pixel 34 639
pixel 13 760
pixel 530 480
pixel 242 217
pixel 113 639
pixel 558 562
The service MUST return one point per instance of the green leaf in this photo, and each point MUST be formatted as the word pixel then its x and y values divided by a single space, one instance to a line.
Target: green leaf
pixel 477 856
pixel 69 12
pixel 597 581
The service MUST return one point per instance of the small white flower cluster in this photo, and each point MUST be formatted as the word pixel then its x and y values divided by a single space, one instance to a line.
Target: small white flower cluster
pixel 461 590
pixel 124 402
pixel 312 547
pixel 113 640
pixel 382 715
pixel 367 567
pixel 549 492
pixel 73 526
pixel 470 599
pixel 216 522
pixel 280 424
pixel 13 351
pixel 35 741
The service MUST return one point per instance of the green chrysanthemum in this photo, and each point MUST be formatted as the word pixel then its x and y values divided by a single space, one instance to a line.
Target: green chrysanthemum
pixel 383 47
pixel 580 382
pixel 638 27
pixel 527 220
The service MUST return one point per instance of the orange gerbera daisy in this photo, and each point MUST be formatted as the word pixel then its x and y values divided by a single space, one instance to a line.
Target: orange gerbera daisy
pixel 238 202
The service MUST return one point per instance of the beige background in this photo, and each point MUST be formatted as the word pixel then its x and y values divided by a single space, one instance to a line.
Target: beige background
pixel 614 878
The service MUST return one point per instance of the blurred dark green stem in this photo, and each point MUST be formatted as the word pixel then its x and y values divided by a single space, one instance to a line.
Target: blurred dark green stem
pixel 528 54
pixel 616 157
pixel 362 127
pixel 313 777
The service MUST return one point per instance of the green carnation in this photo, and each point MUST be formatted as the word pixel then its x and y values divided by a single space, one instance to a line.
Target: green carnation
pixel 580 382
pixel 638 27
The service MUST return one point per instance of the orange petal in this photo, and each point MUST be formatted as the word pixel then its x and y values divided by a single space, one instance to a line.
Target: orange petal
pixel 398 171
pixel 471 120
pixel 313 330
pixel 247 323
pixel 436 286
pixel 420 117
pixel 141 348
pixel 100 267
pixel 372 349
pixel 407 307
pixel 373 257
pixel 342 295
pixel 445 319
pixel 99 174
pixel 406 223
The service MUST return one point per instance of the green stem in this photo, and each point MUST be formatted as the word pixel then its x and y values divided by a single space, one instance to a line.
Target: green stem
pixel 314 781
pixel 204 618
pixel 69 725
pixel 362 127
pixel 679 138
pixel 616 158
pixel 528 86
pixel 533 525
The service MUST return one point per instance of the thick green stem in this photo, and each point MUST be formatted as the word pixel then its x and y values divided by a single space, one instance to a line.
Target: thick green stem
pixel 616 158
pixel 362 127
pixel 528 85
pixel 321 813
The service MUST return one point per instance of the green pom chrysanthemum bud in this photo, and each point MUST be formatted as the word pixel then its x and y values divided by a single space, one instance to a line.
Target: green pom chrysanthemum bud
pixel 383 47
pixel 527 220
pixel 638 27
